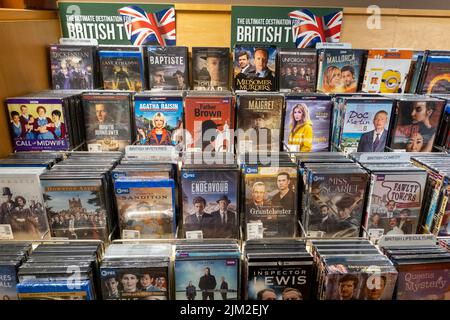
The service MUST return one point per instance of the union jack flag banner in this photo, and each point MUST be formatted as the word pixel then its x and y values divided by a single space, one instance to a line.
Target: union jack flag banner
pixel 309 29
pixel 153 28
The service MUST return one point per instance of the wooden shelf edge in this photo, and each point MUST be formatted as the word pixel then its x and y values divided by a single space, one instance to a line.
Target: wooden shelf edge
pixel 20 14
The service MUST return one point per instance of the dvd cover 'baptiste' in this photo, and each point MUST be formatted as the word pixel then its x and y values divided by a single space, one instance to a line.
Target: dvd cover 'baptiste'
pixel 168 68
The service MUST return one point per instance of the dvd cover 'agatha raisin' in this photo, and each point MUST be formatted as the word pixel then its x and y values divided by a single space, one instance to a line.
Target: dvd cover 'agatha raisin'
pixel 159 119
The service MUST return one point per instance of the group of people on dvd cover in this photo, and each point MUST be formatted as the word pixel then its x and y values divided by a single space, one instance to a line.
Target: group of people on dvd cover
pixel 296 78
pixel 208 285
pixel 392 220
pixel 77 223
pixel 135 286
pixel 337 79
pixel 70 74
pixel 26 126
pixel 222 223
pixel 26 217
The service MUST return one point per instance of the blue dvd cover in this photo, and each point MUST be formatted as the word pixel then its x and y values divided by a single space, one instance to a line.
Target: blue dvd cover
pixel 55 290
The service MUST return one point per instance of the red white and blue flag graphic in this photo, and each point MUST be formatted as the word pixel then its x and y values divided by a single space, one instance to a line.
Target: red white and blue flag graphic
pixel 155 28
pixel 309 29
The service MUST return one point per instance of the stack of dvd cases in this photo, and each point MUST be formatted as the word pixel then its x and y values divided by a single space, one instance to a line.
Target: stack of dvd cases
pixel 423 271
pixel 78 196
pixel 108 120
pixel 12 255
pixel 352 270
pixel 435 216
pixel 207 270
pixel 146 196
pixel 442 141
pixel 333 196
pixel 269 193
pixel 210 200
pixel 64 271
pixel 303 159
pixel 434 73
pixel 277 270
pixel 136 272
pixel 46 121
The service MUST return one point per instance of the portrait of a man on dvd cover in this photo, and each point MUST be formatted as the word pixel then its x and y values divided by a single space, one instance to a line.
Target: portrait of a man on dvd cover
pixel 168 68
pixel 270 199
pixel 211 67
pixel 107 121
